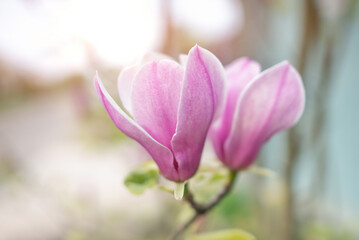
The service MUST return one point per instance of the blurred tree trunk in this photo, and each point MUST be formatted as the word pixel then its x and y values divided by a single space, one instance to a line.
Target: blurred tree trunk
pixel 315 29
pixel 168 39
pixel 295 138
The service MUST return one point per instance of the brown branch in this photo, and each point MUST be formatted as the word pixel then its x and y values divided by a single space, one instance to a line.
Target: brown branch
pixel 310 30
pixel 200 209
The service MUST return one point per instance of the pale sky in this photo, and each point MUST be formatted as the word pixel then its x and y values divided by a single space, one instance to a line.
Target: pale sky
pixel 52 37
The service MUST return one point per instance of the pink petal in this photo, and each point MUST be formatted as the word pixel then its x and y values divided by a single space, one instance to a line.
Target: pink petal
pixel 124 84
pixel 127 75
pixel 155 98
pixel 274 101
pixel 239 74
pixel 161 154
pixel 202 93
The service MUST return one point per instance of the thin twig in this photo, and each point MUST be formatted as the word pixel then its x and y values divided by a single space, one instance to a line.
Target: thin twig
pixel 183 228
pixel 203 209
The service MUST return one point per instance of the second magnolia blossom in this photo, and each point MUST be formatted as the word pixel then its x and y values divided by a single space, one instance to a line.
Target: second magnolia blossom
pixel 171 108
pixel 258 105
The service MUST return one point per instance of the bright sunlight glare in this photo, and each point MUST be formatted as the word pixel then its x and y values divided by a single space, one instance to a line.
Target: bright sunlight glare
pixel 54 37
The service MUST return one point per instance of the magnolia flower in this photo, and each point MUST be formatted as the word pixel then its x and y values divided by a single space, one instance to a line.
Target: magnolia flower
pixel 258 105
pixel 171 106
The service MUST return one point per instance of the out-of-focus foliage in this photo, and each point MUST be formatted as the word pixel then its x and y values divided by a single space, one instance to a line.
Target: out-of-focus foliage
pixel 143 177
pixel 208 181
pixel 320 231
pixel 229 234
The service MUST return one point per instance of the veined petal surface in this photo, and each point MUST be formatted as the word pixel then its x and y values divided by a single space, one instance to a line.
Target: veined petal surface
pixel 239 74
pixel 202 94
pixel 272 102
pixel 161 154
pixel 155 99
pixel 128 74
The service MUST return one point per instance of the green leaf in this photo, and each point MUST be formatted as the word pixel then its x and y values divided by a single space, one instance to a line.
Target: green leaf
pixel 143 177
pixel 229 234
pixel 206 184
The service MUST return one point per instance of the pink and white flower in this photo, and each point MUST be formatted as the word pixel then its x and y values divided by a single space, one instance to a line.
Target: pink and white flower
pixel 172 107
pixel 258 105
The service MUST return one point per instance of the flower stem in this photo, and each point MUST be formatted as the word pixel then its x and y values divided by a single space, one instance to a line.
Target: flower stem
pixel 179 190
pixel 203 209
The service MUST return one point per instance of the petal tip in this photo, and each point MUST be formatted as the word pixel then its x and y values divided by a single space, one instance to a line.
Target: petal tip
pixel 196 48
pixel 285 64
pixel 245 59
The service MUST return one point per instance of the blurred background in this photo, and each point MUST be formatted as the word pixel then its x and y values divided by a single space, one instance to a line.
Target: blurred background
pixel 63 162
